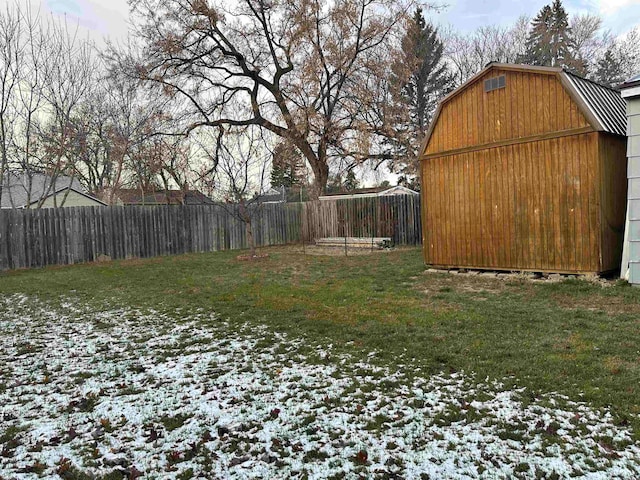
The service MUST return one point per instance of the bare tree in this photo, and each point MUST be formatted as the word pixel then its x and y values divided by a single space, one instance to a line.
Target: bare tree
pixel 304 70
pixel 242 178
pixel 11 64
pixel 472 52
pixel 590 40
pixel 93 144
pixel 176 166
pixel 115 135
pixel 627 52
pixel 68 77
pixel 45 71
pixel 63 112
pixel 27 148
pixel 619 61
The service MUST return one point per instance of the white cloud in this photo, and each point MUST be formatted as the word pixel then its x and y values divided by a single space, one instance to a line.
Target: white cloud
pixel 620 16
pixel 100 19
pixel 609 7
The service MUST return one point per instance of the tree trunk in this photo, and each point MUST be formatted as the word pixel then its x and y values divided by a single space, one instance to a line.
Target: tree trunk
pixel 320 178
pixel 245 216
pixel 250 240
pixel 318 163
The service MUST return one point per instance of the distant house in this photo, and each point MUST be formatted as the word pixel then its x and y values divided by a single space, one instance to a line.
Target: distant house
pixel 369 192
pixel 20 190
pixel 273 195
pixel 135 196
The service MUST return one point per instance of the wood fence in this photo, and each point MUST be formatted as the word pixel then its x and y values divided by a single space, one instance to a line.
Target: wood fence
pixel 59 236
pixel 35 238
pixel 397 217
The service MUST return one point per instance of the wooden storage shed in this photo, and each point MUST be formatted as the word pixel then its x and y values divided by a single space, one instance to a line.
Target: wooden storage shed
pixel 524 168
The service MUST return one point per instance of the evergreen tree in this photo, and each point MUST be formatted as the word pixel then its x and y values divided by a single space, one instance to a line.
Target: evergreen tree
pixel 350 181
pixel 429 78
pixel 410 182
pixel 421 79
pixel 550 42
pixel 538 46
pixel 286 166
pixel 609 70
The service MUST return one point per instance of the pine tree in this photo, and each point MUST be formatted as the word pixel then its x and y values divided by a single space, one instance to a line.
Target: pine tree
pixel 609 70
pixel 550 42
pixel 421 79
pixel 538 46
pixel 350 181
pixel 429 79
pixel 286 166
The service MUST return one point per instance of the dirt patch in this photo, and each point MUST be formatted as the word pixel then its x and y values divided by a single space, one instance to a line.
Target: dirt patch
pixel 469 283
pixel 246 258
pixel 531 277
pixel 335 251
pixel 138 261
pixel 479 284
pixel 574 343
pixel 611 305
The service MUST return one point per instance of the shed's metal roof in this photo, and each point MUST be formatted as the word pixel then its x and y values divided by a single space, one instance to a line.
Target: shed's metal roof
pixel 605 104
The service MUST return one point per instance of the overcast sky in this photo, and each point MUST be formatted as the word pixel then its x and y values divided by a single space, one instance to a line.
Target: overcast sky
pixel 109 17
pixel 619 16
pixel 102 18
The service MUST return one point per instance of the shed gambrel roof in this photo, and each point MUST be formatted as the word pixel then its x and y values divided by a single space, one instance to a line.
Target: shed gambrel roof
pixel 606 104
pixel 603 107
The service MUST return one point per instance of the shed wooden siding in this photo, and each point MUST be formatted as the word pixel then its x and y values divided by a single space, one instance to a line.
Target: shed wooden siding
pixel 531 104
pixel 526 177
pixel 527 206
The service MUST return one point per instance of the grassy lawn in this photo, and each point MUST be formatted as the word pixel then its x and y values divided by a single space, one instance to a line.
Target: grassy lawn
pixel 574 338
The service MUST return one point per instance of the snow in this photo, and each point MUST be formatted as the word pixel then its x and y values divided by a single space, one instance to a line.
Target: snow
pixel 151 395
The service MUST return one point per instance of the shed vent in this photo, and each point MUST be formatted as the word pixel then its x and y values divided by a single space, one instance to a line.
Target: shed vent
pixel 495 83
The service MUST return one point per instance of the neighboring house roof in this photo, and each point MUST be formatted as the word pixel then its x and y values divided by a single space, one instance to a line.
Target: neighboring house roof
pixel 632 82
pixel 134 196
pixel 603 107
pixel 370 192
pixel 20 189
pixel 631 88
pixel 273 195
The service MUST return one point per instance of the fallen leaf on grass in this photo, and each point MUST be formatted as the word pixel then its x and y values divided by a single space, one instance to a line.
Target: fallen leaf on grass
pixel 361 457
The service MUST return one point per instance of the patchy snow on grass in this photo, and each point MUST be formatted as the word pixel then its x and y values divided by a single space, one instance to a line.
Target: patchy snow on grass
pixel 123 393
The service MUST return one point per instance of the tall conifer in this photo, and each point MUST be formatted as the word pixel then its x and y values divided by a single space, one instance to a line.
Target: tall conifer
pixel 550 42
pixel 430 78
pixel 422 78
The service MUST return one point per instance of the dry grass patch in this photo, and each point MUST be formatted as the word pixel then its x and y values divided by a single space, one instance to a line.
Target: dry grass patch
pixel 609 304
pixel 315 250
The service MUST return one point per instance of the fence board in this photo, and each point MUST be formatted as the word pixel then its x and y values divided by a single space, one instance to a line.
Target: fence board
pixel 397 217
pixel 36 238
